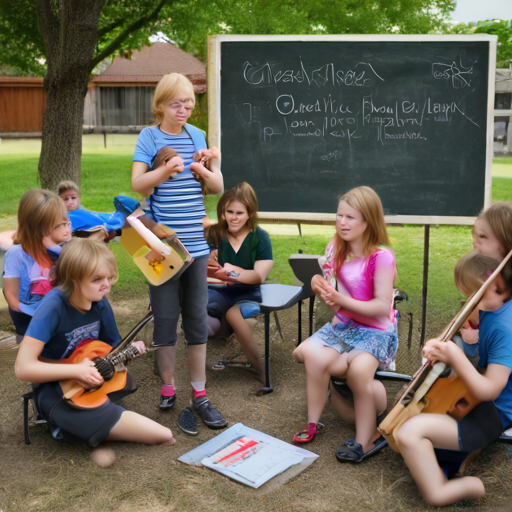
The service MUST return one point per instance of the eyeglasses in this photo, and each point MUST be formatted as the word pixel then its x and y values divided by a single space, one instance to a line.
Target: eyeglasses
pixel 188 104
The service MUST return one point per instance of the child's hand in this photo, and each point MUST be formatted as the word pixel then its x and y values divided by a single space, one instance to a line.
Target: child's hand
pixel 229 268
pixel 207 154
pixel 437 351
pixel 332 298
pixel 319 284
pixel 199 170
pixel 469 335
pixel 174 166
pixel 87 374
pixel 140 346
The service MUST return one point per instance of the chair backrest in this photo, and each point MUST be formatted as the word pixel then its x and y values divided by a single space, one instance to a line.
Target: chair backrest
pixel 304 267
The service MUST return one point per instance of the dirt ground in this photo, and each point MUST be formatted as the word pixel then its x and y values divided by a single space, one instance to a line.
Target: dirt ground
pixel 47 476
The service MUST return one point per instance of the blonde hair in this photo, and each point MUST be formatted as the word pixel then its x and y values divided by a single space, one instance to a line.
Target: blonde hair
pixel 242 193
pixel 499 217
pixel 167 89
pixel 66 185
pixel 38 213
pixel 81 258
pixel 366 201
pixel 473 269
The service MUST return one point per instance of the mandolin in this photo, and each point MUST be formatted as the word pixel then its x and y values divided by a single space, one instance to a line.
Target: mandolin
pixel 427 392
pixel 159 259
pixel 109 362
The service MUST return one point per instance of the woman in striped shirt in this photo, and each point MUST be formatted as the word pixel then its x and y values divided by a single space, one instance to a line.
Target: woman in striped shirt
pixel 177 201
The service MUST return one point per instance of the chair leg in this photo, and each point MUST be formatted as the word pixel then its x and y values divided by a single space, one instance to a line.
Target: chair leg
pixel 311 314
pixel 26 398
pixel 299 335
pixel 267 351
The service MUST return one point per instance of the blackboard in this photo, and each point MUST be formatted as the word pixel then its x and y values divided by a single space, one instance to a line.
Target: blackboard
pixel 305 119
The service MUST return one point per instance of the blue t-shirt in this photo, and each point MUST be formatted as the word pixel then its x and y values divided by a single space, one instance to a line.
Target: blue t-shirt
pixel 83 220
pixel 62 327
pixel 495 347
pixel 34 281
pixel 178 202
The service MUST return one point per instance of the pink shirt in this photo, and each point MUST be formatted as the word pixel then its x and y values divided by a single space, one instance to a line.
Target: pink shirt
pixel 357 276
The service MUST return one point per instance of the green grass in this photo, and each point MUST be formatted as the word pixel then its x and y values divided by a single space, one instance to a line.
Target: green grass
pixel 106 173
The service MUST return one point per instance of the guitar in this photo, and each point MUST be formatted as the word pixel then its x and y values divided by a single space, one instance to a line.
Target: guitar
pixel 109 363
pixel 427 392
pixel 159 259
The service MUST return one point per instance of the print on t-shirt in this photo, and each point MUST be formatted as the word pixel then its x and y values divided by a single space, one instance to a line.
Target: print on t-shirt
pixel 75 337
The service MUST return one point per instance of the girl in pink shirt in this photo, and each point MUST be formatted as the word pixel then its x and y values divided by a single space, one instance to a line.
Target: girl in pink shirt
pixel 358 286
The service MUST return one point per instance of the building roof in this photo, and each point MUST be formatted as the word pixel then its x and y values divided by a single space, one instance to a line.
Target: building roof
pixel 148 65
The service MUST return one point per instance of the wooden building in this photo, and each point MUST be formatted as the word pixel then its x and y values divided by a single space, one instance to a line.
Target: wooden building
pixel 121 96
pixel 22 103
pixel 119 99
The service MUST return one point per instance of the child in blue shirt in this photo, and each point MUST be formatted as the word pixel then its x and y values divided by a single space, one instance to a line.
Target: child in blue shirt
pixel 418 437
pixel 43 224
pixel 176 201
pixel 95 225
pixel 76 311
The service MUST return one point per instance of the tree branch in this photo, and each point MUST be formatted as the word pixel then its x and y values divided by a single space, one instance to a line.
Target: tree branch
pixel 108 28
pixel 116 43
pixel 49 25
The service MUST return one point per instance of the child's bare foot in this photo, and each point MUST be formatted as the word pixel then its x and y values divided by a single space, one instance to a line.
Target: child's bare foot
pixel 474 486
pixel 103 456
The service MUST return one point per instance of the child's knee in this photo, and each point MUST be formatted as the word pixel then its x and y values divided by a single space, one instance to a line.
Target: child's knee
pixel 297 355
pixel 233 314
pixel 406 434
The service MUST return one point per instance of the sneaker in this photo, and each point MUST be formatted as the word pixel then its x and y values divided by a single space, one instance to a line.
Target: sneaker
pixel 187 422
pixel 210 416
pixel 167 402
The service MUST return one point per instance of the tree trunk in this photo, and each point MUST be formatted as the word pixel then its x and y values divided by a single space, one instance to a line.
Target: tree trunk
pixel 70 34
pixel 61 149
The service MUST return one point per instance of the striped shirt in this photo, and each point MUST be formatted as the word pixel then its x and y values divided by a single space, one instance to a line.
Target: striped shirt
pixel 178 202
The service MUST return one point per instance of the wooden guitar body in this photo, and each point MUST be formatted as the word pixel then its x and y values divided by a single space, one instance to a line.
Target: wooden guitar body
pixel 159 259
pixel 79 397
pixel 449 396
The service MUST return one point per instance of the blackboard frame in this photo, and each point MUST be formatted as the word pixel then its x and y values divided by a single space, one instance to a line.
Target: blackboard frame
pixel 214 113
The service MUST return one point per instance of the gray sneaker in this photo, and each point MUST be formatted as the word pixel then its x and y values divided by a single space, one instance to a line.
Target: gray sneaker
pixel 210 416
pixel 187 422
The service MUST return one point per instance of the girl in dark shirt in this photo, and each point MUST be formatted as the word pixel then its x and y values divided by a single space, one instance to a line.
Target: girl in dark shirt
pixel 243 255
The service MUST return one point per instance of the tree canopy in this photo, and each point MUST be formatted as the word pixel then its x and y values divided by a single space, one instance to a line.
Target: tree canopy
pixel 500 28
pixel 126 25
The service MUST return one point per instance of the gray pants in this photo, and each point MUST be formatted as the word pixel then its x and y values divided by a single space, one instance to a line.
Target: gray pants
pixel 189 294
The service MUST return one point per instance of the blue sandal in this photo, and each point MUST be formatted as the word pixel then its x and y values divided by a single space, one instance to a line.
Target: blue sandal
pixel 353 452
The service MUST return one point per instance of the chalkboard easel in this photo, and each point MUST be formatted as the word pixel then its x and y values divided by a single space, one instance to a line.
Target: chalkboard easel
pixel 306 118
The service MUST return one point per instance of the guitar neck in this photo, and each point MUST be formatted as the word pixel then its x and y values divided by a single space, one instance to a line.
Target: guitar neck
pixel 123 356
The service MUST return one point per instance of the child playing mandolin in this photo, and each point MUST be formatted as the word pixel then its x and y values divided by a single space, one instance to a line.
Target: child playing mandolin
pixel 43 224
pixel 492 235
pixel 362 336
pixel 75 311
pixel 418 436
